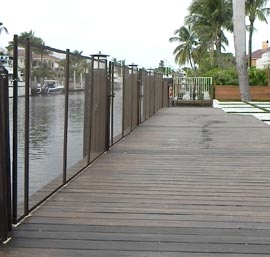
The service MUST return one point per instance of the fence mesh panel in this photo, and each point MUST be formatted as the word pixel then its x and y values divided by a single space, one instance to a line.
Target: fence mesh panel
pixel 75 109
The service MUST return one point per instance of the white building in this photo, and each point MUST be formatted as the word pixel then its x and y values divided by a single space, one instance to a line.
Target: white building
pixel 261 58
pixel 264 61
pixel 37 59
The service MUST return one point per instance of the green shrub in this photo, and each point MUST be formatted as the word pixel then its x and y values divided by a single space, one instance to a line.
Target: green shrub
pixel 229 76
pixel 257 77
pixel 223 76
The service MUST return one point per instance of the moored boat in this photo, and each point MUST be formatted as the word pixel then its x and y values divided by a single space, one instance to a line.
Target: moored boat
pixel 52 86
pixel 7 63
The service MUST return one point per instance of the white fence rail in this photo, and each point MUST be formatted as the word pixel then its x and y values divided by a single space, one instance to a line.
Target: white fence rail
pixel 192 88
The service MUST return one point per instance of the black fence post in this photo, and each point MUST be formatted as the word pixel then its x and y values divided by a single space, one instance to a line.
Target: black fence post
pixel 65 146
pixel 111 102
pixel 5 194
pixel 26 124
pixel 139 98
pixel 15 132
pixel 108 105
pixel 124 101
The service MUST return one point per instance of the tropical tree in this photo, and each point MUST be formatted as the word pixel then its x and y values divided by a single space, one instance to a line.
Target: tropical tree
pixel 40 69
pixel 3 28
pixel 209 19
pixel 255 9
pixel 240 47
pixel 185 51
pixel 161 67
pixel 35 41
pixel 75 57
pixel 78 67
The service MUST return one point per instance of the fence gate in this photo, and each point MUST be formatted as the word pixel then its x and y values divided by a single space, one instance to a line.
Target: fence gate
pixel 192 89
pixel 5 209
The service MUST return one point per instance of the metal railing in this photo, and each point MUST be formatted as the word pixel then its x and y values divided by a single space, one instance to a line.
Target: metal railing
pixel 192 88
pixel 74 108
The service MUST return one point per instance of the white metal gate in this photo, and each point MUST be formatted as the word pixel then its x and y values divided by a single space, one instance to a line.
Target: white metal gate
pixel 192 88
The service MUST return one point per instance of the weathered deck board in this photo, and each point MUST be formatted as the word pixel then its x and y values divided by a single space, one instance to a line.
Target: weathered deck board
pixel 187 182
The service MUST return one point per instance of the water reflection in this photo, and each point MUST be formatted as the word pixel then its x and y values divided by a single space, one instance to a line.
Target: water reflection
pixel 44 111
pixel 46 138
pixel 117 110
pixel 75 128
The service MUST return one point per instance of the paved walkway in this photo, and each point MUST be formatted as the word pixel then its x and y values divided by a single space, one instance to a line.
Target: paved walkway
pixel 260 110
pixel 189 182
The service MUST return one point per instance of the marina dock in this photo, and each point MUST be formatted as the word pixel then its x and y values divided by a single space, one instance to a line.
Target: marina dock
pixel 189 182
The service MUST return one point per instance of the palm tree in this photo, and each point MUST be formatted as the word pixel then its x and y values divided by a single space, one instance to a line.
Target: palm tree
pixel 255 9
pixel 3 28
pixel 38 47
pixel 184 52
pixel 79 66
pixel 209 19
pixel 240 47
pixel 35 41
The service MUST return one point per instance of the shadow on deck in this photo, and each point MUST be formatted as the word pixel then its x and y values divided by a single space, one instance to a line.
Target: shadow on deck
pixel 187 182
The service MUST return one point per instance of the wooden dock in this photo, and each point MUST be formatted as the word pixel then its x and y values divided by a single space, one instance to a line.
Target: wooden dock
pixel 189 182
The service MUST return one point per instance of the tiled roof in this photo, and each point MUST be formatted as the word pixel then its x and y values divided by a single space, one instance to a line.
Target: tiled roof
pixel 258 54
pixel 21 53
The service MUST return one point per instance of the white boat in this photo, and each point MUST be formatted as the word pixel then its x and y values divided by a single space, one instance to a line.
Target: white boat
pixel 36 89
pixel 20 85
pixel 7 62
pixel 52 86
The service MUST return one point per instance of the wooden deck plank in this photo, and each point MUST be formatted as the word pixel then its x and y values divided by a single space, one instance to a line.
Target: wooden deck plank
pixel 34 252
pixel 192 247
pixel 187 182
pixel 140 229
pixel 109 236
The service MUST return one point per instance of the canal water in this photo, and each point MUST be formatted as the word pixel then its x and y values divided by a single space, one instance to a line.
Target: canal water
pixel 46 137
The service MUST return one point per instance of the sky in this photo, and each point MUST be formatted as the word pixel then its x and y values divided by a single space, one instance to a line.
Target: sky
pixel 137 31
